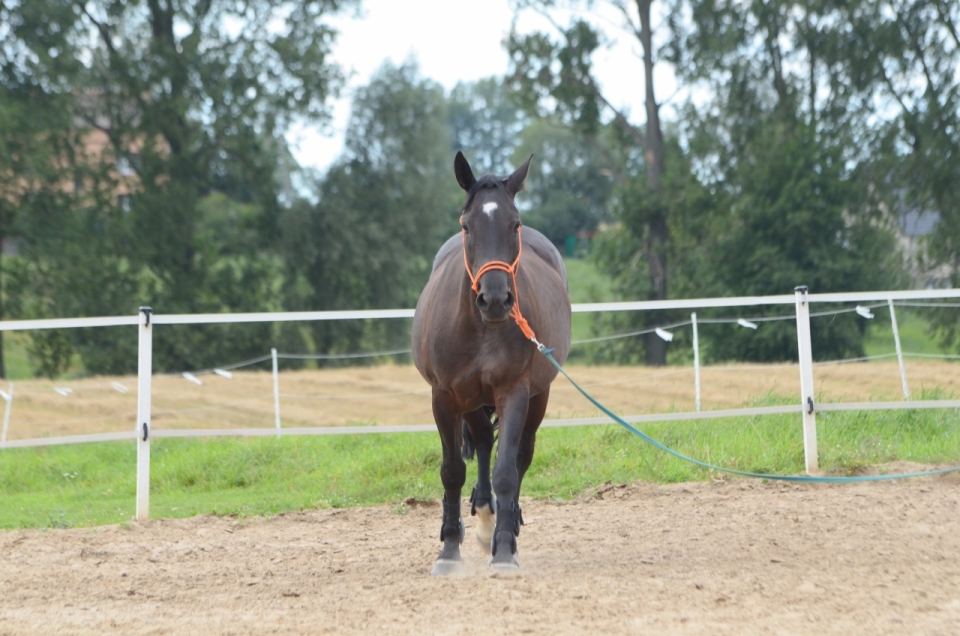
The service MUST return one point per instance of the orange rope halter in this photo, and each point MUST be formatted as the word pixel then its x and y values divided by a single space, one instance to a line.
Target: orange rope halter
pixel 510 268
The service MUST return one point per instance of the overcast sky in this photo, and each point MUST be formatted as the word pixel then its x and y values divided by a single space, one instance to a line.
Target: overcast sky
pixel 454 41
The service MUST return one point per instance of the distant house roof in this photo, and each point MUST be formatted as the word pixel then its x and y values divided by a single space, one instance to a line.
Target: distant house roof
pixel 915 224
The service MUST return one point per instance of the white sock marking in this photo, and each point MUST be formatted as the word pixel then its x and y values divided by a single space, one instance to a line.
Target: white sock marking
pixel 489 207
pixel 486 523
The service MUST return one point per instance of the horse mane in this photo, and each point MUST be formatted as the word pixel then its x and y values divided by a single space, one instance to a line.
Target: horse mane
pixel 486 182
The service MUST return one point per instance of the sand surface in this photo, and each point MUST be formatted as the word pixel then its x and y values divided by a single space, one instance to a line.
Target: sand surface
pixel 736 557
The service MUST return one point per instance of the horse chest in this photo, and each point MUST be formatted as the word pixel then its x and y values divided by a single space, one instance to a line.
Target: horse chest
pixel 480 372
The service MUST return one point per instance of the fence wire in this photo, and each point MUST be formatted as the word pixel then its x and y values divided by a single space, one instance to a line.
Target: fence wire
pixel 68 393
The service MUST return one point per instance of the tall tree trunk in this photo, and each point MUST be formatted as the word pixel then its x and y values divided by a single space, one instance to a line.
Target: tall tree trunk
pixel 657 231
pixel 811 38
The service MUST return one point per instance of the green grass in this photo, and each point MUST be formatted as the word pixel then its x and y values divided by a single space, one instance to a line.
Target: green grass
pixel 93 484
pixel 15 358
pixel 587 285
pixel 913 330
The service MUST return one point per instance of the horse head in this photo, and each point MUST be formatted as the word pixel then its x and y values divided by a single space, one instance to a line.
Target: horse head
pixel 490 223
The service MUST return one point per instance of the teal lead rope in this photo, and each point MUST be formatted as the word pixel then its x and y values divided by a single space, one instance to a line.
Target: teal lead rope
pixel 742 473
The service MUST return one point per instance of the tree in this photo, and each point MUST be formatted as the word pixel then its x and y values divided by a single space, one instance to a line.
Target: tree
pixel 35 133
pixel 798 219
pixel 486 124
pixel 556 76
pixel 765 182
pixel 692 211
pixel 384 209
pixel 188 105
pixel 902 57
pixel 778 143
pixel 570 189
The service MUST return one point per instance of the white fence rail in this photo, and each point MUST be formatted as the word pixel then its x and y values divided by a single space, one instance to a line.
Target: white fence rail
pixel 146 320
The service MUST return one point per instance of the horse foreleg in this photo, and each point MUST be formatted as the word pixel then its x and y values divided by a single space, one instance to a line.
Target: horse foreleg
pixel 453 472
pixel 535 412
pixel 506 480
pixel 482 500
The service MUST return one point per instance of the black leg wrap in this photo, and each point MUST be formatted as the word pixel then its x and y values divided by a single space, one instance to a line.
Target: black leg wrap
pixel 509 519
pixel 452 524
pixel 480 498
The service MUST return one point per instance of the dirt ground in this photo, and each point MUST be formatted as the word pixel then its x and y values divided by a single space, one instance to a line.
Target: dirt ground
pixel 396 394
pixel 735 557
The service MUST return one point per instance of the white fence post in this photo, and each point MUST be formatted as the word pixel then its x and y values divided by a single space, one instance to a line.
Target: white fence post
pixel 6 415
pixel 696 357
pixel 896 341
pixel 144 387
pixel 276 390
pixel 805 349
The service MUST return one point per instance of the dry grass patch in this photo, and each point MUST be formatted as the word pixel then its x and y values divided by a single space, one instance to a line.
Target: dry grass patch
pixel 396 394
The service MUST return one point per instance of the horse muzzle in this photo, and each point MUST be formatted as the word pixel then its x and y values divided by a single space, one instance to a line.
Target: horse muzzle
pixel 495 306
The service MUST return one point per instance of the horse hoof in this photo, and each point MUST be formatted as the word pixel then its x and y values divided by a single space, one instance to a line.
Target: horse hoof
pixel 505 568
pixel 446 567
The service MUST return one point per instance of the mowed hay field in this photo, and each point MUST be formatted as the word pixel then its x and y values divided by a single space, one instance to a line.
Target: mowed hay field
pixel 396 394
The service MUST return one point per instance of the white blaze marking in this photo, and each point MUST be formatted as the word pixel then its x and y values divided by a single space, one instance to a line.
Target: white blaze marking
pixel 489 207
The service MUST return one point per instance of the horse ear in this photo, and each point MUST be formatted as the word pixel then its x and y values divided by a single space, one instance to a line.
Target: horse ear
pixel 514 183
pixel 464 174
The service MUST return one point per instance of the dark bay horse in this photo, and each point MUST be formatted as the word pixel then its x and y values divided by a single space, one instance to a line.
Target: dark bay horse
pixel 477 348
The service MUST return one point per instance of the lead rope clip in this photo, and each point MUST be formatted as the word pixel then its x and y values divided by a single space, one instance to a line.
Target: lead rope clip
pixel 541 347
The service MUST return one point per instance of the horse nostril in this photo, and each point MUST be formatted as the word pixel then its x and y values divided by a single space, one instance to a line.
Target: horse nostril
pixel 481 302
pixel 509 302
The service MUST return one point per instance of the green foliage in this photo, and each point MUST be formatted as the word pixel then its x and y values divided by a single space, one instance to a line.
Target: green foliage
pixel 765 192
pixel 874 85
pixel 34 130
pixel 788 216
pixel 622 251
pixel 587 284
pixel 187 107
pixel 383 211
pixel 570 183
pixel 554 73
pixel 798 219
pixel 553 77
pixel 50 352
pixel 815 126
pixel 486 125
pixel 906 56
pixel 568 187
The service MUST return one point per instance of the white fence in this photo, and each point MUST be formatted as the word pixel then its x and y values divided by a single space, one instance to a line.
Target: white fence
pixel 146 320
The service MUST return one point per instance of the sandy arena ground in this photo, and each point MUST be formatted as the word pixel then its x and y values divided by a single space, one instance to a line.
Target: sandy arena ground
pixel 396 394
pixel 737 557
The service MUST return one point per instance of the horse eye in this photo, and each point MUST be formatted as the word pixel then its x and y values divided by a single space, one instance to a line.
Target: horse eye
pixel 464 228
pixel 517 226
